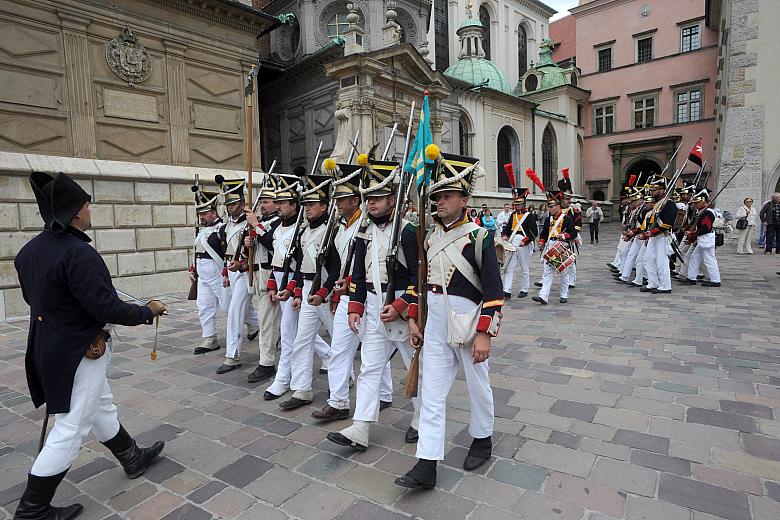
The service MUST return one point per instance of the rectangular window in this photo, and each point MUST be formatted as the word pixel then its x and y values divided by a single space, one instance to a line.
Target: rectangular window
pixel 690 38
pixel 605 59
pixel 644 50
pixel 644 112
pixel 604 119
pixel 688 103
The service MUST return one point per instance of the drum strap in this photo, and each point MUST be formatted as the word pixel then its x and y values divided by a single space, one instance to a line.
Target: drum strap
pixel 519 228
pixel 557 226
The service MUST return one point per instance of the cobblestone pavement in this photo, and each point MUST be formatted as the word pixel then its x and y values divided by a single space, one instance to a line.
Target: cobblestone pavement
pixel 615 406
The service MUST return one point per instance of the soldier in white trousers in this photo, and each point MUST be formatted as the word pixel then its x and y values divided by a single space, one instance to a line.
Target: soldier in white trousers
pixel 240 310
pixel 464 292
pixel 315 277
pixel 268 312
pixel 520 230
pixel 558 226
pixel 380 321
pixel 702 239
pixel 662 216
pixel 209 269
pixel 344 344
pixel 636 255
pixel 280 295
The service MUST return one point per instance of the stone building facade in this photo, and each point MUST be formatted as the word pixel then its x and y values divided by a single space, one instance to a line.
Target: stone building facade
pixel 748 115
pixel 132 98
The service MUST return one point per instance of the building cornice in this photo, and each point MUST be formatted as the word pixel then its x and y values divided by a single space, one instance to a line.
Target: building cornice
pixel 675 55
pixel 226 12
pixel 650 129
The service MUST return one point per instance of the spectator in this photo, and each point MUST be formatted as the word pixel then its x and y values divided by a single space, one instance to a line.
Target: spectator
pixel 593 217
pixel 770 215
pixel 411 212
pixel 543 214
pixel 745 236
pixel 503 217
pixel 488 220
pixel 474 217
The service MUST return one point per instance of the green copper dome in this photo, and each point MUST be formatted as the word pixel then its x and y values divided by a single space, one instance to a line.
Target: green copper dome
pixel 479 72
pixel 470 22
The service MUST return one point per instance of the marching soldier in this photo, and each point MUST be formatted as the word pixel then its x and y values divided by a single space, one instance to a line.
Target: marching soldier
pixel 71 298
pixel 240 310
pixel 382 328
pixel 702 237
pixel 280 241
pixel 464 292
pixel 268 312
pixel 659 280
pixel 624 211
pixel 636 256
pixel 520 230
pixel 576 215
pixel 629 225
pixel 311 305
pixel 209 269
pixel 558 226
pixel 346 194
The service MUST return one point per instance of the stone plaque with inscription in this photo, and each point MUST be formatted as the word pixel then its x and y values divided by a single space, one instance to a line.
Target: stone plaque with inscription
pixel 127 105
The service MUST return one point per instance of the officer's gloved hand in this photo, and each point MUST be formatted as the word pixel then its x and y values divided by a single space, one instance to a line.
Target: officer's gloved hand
pixel 158 308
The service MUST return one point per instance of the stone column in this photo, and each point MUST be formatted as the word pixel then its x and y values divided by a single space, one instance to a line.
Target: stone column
pixel 82 111
pixel 176 76
pixel 617 181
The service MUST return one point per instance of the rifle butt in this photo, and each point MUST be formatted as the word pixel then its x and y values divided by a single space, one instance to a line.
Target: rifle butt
pixel 413 375
pixel 193 293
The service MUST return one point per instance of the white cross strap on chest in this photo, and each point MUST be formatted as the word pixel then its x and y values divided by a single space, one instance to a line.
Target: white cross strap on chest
pixel 233 233
pixel 395 330
pixel 519 228
pixel 557 227
pixel 312 243
pixel 446 245
pixel 202 240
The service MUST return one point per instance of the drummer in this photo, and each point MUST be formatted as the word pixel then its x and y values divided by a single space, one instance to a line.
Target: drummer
pixel 558 231
pixel 519 231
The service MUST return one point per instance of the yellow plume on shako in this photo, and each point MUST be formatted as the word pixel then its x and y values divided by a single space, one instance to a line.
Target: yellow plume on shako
pixel 432 152
pixel 362 159
pixel 329 164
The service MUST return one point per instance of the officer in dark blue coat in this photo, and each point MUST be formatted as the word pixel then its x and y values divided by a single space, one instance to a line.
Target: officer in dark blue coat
pixel 71 298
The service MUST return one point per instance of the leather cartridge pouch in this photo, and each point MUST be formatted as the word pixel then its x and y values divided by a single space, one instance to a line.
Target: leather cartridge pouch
pixel 97 348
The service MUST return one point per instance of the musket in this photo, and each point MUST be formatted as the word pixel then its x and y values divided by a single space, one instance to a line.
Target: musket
pixel 390 141
pixel 672 159
pixel 250 119
pixel 296 231
pixel 698 174
pixel 712 200
pixel 395 230
pixel 193 293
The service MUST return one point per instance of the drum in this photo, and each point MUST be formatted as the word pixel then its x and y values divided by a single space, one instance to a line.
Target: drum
pixel 680 219
pixel 560 256
pixel 504 250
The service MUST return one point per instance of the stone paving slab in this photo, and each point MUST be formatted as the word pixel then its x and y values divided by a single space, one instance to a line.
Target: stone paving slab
pixel 602 414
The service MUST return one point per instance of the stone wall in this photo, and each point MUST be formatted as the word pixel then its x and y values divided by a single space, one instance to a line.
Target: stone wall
pixel 142 220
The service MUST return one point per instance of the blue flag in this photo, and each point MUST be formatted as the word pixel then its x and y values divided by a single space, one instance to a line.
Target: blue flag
pixel 417 163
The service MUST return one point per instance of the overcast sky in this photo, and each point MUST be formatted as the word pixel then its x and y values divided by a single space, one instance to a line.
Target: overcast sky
pixel 561 6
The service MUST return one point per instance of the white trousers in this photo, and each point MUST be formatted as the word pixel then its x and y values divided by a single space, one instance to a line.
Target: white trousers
pixel 240 312
pixel 374 356
pixel 521 258
pixel 269 315
pixel 440 363
pixel 744 240
pixel 289 329
pixel 211 295
pixel 704 253
pixel 621 252
pixel 343 347
pixel 92 409
pixel 549 273
pixel 310 318
pixel 635 246
pixel 657 263
pixel 639 279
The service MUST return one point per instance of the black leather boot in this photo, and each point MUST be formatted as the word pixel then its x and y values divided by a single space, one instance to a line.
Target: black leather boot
pixel 35 503
pixel 134 460
pixel 421 476
pixel 479 453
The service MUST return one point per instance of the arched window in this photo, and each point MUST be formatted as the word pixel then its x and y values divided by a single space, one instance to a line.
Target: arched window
pixel 522 50
pixel 549 159
pixel 598 195
pixel 463 136
pixel 531 83
pixel 484 19
pixel 507 151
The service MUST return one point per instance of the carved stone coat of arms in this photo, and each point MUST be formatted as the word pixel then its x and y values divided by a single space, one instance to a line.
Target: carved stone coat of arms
pixel 127 58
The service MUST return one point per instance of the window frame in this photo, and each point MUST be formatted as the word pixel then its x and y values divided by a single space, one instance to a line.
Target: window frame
pixel 676 103
pixel 652 48
pixel 605 116
pixel 682 36
pixel 644 98
pixel 337 25
pixel 598 57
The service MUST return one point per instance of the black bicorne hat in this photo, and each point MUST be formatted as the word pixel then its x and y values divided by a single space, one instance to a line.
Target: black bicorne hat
pixel 59 199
